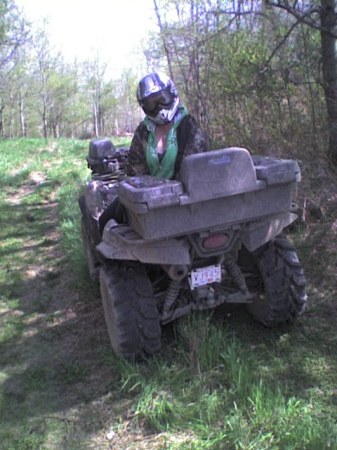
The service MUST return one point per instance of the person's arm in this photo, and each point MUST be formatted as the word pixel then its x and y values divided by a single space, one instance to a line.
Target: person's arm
pixel 191 139
pixel 136 161
pixel 195 140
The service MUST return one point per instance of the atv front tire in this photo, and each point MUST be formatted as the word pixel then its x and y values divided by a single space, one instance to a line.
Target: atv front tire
pixel 130 310
pixel 282 296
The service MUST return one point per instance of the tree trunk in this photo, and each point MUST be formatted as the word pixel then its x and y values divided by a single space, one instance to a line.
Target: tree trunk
pixel 22 117
pixel 329 69
pixel 163 37
pixel 44 117
pixel 95 112
pixel 2 107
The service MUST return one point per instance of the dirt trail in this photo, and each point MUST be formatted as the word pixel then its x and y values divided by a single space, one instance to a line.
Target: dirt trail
pixel 58 369
pixel 63 385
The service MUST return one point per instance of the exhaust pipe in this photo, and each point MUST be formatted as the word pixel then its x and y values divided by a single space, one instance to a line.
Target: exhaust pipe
pixel 176 272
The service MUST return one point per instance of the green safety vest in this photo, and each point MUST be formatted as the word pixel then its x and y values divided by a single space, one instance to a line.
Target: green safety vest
pixel 163 168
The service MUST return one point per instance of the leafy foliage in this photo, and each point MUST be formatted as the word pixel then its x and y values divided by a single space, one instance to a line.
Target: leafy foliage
pixel 250 72
pixel 13 32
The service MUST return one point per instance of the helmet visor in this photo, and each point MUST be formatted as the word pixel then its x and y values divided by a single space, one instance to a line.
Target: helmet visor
pixel 155 102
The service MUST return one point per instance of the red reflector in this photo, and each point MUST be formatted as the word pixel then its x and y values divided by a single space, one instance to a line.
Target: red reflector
pixel 215 241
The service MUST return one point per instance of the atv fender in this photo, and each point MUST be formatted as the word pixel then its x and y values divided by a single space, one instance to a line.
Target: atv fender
pixel 120 242
pixel 257 233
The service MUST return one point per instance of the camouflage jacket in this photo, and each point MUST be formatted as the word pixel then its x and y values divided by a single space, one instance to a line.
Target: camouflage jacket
pixel 190 137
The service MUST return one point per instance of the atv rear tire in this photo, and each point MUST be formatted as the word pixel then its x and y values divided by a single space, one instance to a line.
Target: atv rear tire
pixel 130 311
pixel 283 297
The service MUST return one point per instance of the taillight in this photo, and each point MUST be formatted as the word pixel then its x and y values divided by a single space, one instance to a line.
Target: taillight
pixel 215 241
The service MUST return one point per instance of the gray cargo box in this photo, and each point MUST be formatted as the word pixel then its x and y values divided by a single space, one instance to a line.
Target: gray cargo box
pixel 218 187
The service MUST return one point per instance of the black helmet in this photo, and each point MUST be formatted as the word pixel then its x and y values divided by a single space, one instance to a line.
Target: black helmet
pixel 158 97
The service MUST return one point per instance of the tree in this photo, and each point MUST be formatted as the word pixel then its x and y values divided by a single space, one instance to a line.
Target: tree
pixel 13 32
pixel 94 75
pixel 184 29
pixel 54 86
pixel 126 112
pixel 43 72
pixel 322 16
pixel 13 35
pixel 328 31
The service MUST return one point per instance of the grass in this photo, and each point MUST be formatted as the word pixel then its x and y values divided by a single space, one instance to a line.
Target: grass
pixel 221 381
pixel 228 394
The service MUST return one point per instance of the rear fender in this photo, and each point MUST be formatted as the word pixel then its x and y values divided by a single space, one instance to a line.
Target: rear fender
pixel 120 242
pixel 258 233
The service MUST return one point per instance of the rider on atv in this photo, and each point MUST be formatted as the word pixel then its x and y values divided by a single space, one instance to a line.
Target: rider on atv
pixel 167 134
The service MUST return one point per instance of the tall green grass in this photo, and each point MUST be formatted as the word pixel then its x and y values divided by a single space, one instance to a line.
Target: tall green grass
pixel 216 393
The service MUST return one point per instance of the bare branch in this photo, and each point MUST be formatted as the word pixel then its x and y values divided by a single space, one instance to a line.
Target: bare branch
pixel 305 16
pixel 281 42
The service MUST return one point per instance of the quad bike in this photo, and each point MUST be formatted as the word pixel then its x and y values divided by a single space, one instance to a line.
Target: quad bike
pixel 214 236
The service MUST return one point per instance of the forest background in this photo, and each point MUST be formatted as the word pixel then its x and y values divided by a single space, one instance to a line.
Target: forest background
pixel 258 74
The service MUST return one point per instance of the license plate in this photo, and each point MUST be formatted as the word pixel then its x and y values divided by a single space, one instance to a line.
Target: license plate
pixel 205 275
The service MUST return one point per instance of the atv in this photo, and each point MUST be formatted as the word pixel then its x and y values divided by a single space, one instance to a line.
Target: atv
pixel 214 236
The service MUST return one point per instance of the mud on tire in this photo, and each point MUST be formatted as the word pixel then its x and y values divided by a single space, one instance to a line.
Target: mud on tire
pixel 89 251
pixel 130 310
pixel 284 297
